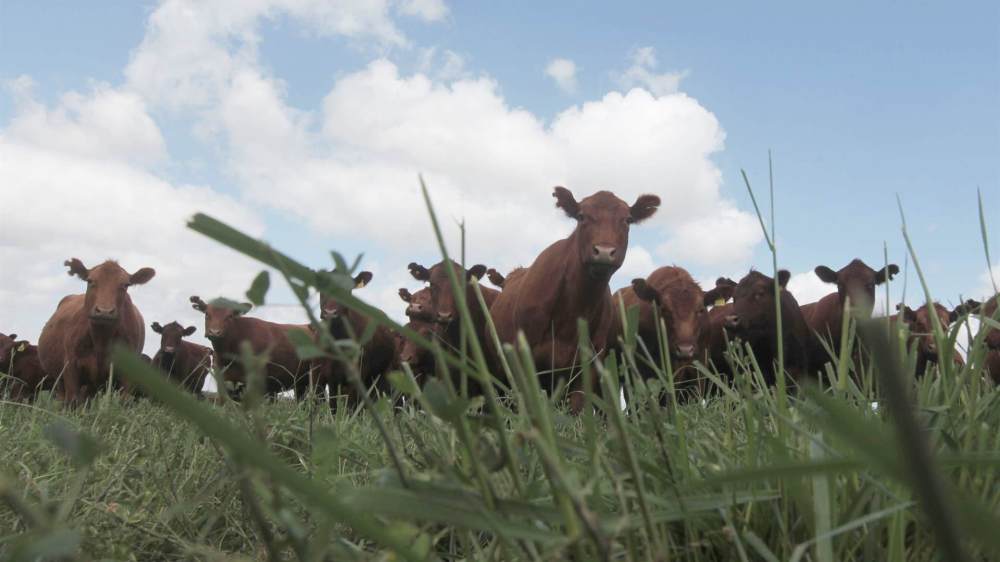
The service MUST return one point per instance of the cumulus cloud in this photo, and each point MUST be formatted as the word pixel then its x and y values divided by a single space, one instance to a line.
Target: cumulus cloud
pixel 806 287
pixel 563 71
pixel 427 10
pixel 643 73
pixel 988 282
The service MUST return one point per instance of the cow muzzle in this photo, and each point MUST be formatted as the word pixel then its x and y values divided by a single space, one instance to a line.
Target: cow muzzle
pixel 169 349
pixel 685 351
pixel 732 322
pixel 329 314
pixel 213 334
pixel 103 315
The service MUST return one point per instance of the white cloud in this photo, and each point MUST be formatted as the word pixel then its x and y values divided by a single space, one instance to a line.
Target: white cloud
pixel 427 10
pixel 806 287
pixel 721 238
pixel 988 283
pixel 563 71
pixel 642 73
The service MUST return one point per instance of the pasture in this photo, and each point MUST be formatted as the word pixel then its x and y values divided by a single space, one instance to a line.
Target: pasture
pixel 863 462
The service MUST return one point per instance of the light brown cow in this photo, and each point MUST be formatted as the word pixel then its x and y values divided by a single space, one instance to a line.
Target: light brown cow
pixel 76 342
pixel 856 281
pixel 186 363
pixel 569 281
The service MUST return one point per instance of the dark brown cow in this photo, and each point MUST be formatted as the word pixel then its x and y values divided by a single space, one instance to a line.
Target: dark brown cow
pixel 184 362
pixel 420 360
pixel 683 306
pixel 24 373
pixel 717 334
pixel 228 327
pixel 855 280
pixel 75 343
pixel 569 281
pixel 445 311
pixel 754 321
pixel 377 354
pixel 921 328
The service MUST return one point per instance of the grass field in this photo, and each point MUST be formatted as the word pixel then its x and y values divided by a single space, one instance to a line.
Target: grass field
pixel 750 473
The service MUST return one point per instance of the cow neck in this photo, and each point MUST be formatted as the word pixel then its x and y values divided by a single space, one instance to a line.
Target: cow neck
pixel 237 332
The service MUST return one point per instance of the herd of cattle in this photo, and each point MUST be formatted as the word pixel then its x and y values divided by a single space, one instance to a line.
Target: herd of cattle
pixel 568 281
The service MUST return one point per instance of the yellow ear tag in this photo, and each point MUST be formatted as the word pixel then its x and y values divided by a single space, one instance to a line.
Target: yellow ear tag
pixel 359 284
pixel 719 302
pixel 22 347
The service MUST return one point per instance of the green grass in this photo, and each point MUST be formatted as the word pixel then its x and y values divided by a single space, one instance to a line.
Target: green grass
pixel 748 474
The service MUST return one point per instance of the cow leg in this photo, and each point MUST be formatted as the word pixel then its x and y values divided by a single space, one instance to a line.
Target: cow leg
pixel 71 386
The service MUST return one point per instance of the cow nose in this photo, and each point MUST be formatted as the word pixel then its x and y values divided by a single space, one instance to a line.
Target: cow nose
pixel 326 314
pixel 604 254
pixel 99 312
pixel 685 351
pixel 445 316
pixel 213 333
pixel 168 349
pixel 414 309
pixel 732 321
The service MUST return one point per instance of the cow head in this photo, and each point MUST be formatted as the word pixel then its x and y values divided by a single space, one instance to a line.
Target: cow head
pixel 218 319
pixel 9 346
pixel 922 326
pixel 412 353
pixel 331 309
pixel 418 304
pixel 602 227
pixel 682 307
pixel 753 303
pixel 857 281
pixel 171 336
pixel 442 298
pixel 107 288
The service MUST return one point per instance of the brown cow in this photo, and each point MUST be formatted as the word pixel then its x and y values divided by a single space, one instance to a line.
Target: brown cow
pixel 76 341
pixel 444 307
pixel 855 280
pixel 228 327
pixel 921 329
pixel 569 281
pixel 683 306
pixel 754 321
pixel 992 338
pixel 420 360
pixel 418 304
pixel 377 354
pixel 184 362
pixel 24 375
pixel 718 337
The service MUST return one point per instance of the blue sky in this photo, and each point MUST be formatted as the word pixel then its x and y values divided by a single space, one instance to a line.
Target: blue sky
pixel 859 102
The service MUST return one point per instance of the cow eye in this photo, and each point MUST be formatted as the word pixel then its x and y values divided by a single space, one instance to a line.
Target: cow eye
pixel 628 220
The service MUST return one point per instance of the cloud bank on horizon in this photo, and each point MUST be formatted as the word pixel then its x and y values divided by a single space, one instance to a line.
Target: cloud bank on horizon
pixel 93 167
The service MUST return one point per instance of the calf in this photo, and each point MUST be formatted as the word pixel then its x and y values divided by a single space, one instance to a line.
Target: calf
pixel 184 362
pixel 683 307
pixel 856 281
pixel 754 320
pixel 75 343
pixel 377 354
pixel 569 281
pixel 24 374
pixel 921 328
pixel 418 304
pixel 228 327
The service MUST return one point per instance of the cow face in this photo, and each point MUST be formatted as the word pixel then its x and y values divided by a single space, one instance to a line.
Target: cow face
pixel 10 346
pixel 218 319
pixel 107 288
pixel 418 304
pixel 603 222
pixel 753 304
pixel 412 353
pixel 442 298
pixel 171 336
pixel 857 281
pixel 332 309
pixel 922 326
pixel 682 307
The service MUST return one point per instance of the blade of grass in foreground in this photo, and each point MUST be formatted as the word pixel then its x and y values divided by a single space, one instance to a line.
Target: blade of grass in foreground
pixel 248 451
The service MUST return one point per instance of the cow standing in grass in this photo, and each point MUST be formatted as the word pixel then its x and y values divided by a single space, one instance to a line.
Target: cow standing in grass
pixel 445 307
pixel 754 321
pixel 377 355
pixel 569 281
pixel 227 328
pixel 679 301
pixel 75 344
pixel 23 374
pixel 422 321
pixel 185 363
pixel 855 281
pixel 921 328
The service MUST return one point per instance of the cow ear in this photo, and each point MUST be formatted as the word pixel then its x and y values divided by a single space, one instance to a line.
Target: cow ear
pixel 476 271
pixel 566 202
pixel 21 346
pixel 405 295
pixel 644 291
pixel 495 277
pixel 12 336
pixel 882 275
pixel 783 277
pixel 973 306
pixel 198 304
pixel 825 274
pixel 720 294
pixel 906 312
pixel 419 272
pixel 156 327
pixel 77 268
pixel 190 330
pixel 643 208
pixel 142 276
pixel 362 279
